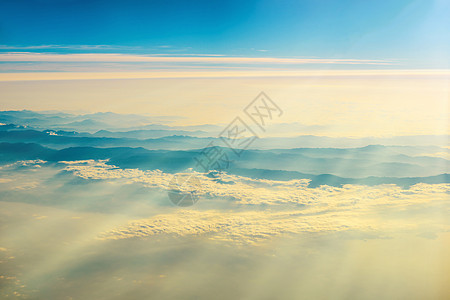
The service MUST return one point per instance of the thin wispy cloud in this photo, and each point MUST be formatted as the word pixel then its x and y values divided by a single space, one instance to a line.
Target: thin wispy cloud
pixel 218 72
pixel 117 57
pixel 68 47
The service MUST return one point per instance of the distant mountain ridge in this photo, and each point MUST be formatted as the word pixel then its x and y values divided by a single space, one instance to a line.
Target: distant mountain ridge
pixel 184 140
pixel 296 163
pixel 134 141
pixel 114 125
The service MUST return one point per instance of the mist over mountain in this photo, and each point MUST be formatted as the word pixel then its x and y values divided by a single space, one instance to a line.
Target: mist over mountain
pixel 88 122
pixel 112 125
pixel 174 150
pixel 382 167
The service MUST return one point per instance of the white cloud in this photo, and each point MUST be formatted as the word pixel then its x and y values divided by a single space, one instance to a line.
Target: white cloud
pixel 118 57
pixel 247 191
pixel 250 227
pixel 35 163
pixel 267 208
pixel 72 47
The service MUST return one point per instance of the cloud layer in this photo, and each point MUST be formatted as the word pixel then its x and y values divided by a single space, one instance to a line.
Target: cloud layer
pixel 117 57
pixel 262 209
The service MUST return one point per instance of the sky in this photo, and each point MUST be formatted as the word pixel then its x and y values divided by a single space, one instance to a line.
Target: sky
pixel 412 33
pixel 167 57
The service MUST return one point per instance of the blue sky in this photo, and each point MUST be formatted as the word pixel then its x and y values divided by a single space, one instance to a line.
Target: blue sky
pixel 413 33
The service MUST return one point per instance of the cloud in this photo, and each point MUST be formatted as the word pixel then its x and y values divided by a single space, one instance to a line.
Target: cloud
pixel 248 191
pixel 72 47
pixel 21 175
pixel 238 227
pixel 253 227
pixel 264 209
pixel 118 57
pixel 33 162
pixel 157 65
pixel 72 73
